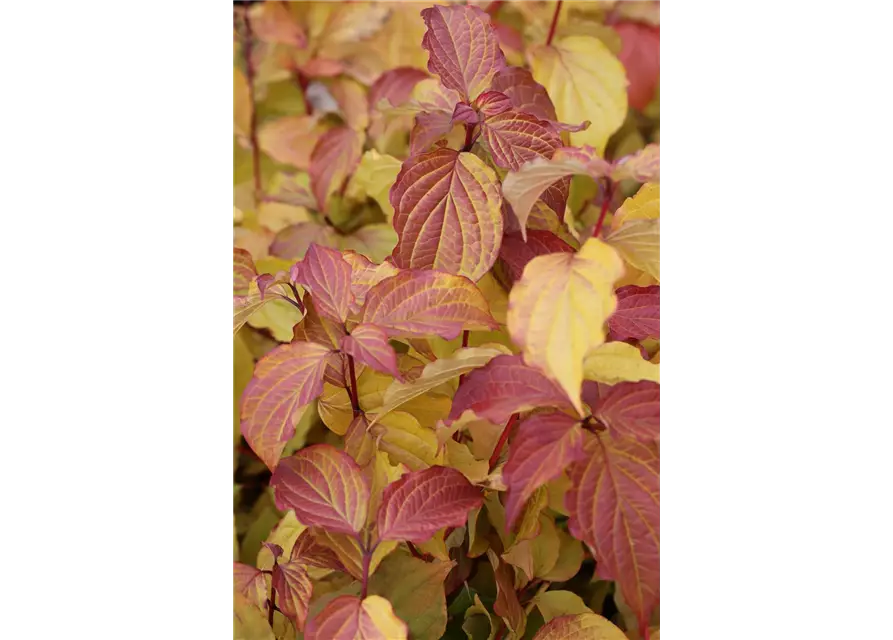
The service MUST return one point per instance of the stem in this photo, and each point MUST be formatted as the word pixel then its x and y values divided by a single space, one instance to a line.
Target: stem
pixel 469 139
pixel 249 66
pixel 502 440
pixel 554 23
pixel 427 557
pixel 272 604
pixel 608 196
pixel 298 305
pixel 354 399
pixel 465 335
pixel 367 559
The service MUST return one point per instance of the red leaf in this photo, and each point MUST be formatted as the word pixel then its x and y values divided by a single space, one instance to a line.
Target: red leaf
pixel 327 275
pixel 507 605
pixel 638 313
pixel 526 94
pixel 515 253
pixel 293 591
pixel 421 503
pixel 346 618
pixel 244 271
pixel 292 242
pixel 492 103
pixel 640 55
pixel 464 113
pixel 249 581
pixel 430 126
pixel 504 386
pixel 544 446
pixel 308 551
pixel 325 487
pixel 447 214
pixel 422 303
pixel 286 379
pixel 631 409
pixel 614 507
pixel 335 156
pixel 515 138
pixel 369 344
pixel 395 86
pixel 462 48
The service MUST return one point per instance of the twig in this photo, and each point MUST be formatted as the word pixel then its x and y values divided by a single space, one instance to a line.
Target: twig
pixel 502 440
pixel 554 23
pixel 354 397
pixel 606 201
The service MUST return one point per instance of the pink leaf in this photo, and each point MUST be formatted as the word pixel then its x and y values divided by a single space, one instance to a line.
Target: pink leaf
pixel 335 156
pixel 447 214
pixel 640 55
pixel 244 271
pixel 614 507
pixel 422 502
pixel 308 551
pixel 638 313
pixel 462 48
pixel 631 409
pixel 249 581
pixel 526 94
pixel 293 591
pixel 430 126
pixel 286 379
pixel 543 448
pixel 369 344
pixel 292 242
pixel 327 275
pixel 364 275
pixel 464 113
pixel 417 303
pixel 325 487
pixel 515 253
pixel 492 103
pixel 395 86
pixel 349 618
pixel 515 138
pixel 504 386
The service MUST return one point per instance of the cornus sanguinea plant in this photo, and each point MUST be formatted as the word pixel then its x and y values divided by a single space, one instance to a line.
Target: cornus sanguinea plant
pixel 446 308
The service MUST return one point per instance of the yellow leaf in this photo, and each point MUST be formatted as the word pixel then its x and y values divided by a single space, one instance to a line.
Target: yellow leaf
pixel 380 472
pixel 586 82
pixel 406 441
pixel 529 525
pixel 557 310
pixel 553 604
pixel 645 205
pixel 374 177
pixel 635 230
pixel 570 558
pixel 536 556
pixel 619 362
pixel 284 534
pixel 478 621
pixel 459 457
pixel 385 620
pixel 249 622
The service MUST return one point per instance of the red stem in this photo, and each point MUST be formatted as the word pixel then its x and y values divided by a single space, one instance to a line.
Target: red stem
pixel 354 398
pixel 502 440
pixel 469 140
pixel 272 605
pixel 554 23
pixel 255 147
pixel 367 559
pixel 608 196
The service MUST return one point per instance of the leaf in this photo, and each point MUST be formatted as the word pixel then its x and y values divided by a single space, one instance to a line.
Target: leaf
pixel 544 445
pixel 241 104
pixel 406 441
pixel 435 374
pixel 558 309
pixel 515 252
pixel 285 535
pixel 415 590
pixel 493 103
pixel 272 22
pixel 243 271
pixel 619 362
pixel 447 213
pixel 505 386
pixel 585 82
pixel 309 552
pixel 583 626
pixel 526 94
pixel 293 591
pixel 507 606
pixel 536 556
pixel 395 86
pixel 285 381
pixel 250 582
pixel 614 506
pixel 642 166
pixel 290 139
pixel 515 138
pixel 463 49
pixel 631 409
pixel 640 55
pixel 245 307
pixel 553 604
pixel 347 550
pixel 416 303
pixel 365 275
pixel 325 488
pixel 249 621
pixel 429 127
pixel 373 178
pixel 638 241
pixel 638 313
pixel 368 343
pixel 327 275
pixel 349 618
pixel 292 242
pixel 422 502
pixel 570 558
pixel 351 98
pixel 524 186
pixel 473 623
pixel 335 156
pixel 645 205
